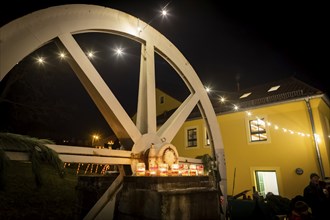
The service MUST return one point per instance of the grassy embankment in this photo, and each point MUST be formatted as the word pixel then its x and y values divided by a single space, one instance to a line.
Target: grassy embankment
pixel 21 199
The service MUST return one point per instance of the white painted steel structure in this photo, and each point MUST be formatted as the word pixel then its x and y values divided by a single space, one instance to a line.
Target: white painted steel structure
pixel 21 37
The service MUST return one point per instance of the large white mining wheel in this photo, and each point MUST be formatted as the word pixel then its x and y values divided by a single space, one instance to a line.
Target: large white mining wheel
pixel 21 37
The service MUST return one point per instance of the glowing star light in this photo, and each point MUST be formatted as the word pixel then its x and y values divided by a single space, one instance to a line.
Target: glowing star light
pixel 119 51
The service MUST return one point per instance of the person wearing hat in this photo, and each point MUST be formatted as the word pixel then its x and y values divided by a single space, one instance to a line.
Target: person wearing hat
pixel 315 197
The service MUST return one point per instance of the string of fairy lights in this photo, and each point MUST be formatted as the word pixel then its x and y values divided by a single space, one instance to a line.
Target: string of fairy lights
pixel 88 168
pixel 119 51
pixel 267 123
pixel 277 127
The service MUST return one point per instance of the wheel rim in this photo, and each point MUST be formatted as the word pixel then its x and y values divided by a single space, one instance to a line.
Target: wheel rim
pixel 60 23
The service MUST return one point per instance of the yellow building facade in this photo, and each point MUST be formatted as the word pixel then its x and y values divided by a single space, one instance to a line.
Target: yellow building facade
pixel 285 148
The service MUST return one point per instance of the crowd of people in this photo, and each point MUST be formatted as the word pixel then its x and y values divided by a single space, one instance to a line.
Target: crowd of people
pixel 313 204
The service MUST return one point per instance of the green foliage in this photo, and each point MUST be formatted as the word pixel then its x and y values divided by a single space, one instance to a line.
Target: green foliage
pixel 207 161
pixel 37 150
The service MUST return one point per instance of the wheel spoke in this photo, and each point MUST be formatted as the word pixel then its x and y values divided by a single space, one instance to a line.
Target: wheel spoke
pixel 146 111
pixel 109 106
pixel 174 123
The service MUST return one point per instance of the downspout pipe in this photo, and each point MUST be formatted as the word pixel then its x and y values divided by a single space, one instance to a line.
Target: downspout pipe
pixel 317 148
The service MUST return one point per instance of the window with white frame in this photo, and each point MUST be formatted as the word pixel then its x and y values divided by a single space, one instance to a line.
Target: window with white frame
pixel 266 182
pixel 191 137
pixel 257 129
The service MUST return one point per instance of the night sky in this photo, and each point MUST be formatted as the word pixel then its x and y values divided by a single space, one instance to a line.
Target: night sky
pixel 249 42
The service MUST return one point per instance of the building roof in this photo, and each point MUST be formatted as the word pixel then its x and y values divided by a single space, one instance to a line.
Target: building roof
pixel 264 94
pixel 273 92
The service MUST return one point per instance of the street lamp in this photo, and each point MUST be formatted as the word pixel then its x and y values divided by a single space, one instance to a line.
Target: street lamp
pixel 95 138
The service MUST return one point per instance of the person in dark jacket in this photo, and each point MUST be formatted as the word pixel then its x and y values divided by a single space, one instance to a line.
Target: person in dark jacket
pixel 316 198
pixel 300 212
pixel 278 204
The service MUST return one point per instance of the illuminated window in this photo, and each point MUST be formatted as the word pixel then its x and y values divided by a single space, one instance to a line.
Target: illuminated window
pixel 245 95
pixel 274 88
pixel 258 130
pixel 192 137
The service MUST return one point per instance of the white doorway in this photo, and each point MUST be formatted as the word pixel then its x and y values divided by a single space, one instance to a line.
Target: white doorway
pixel 266 181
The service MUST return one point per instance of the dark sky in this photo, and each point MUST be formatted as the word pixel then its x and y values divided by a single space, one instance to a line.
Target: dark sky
pixel 255 40
pixel 250 41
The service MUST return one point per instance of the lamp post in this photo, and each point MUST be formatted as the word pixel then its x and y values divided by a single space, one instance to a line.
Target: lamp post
pixel 95 137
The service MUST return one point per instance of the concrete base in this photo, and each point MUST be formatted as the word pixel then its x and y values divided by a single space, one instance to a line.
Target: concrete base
pixel 184 197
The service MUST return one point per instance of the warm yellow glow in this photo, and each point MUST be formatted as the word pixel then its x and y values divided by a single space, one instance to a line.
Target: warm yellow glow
pixel 259 122
pixel 95 137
